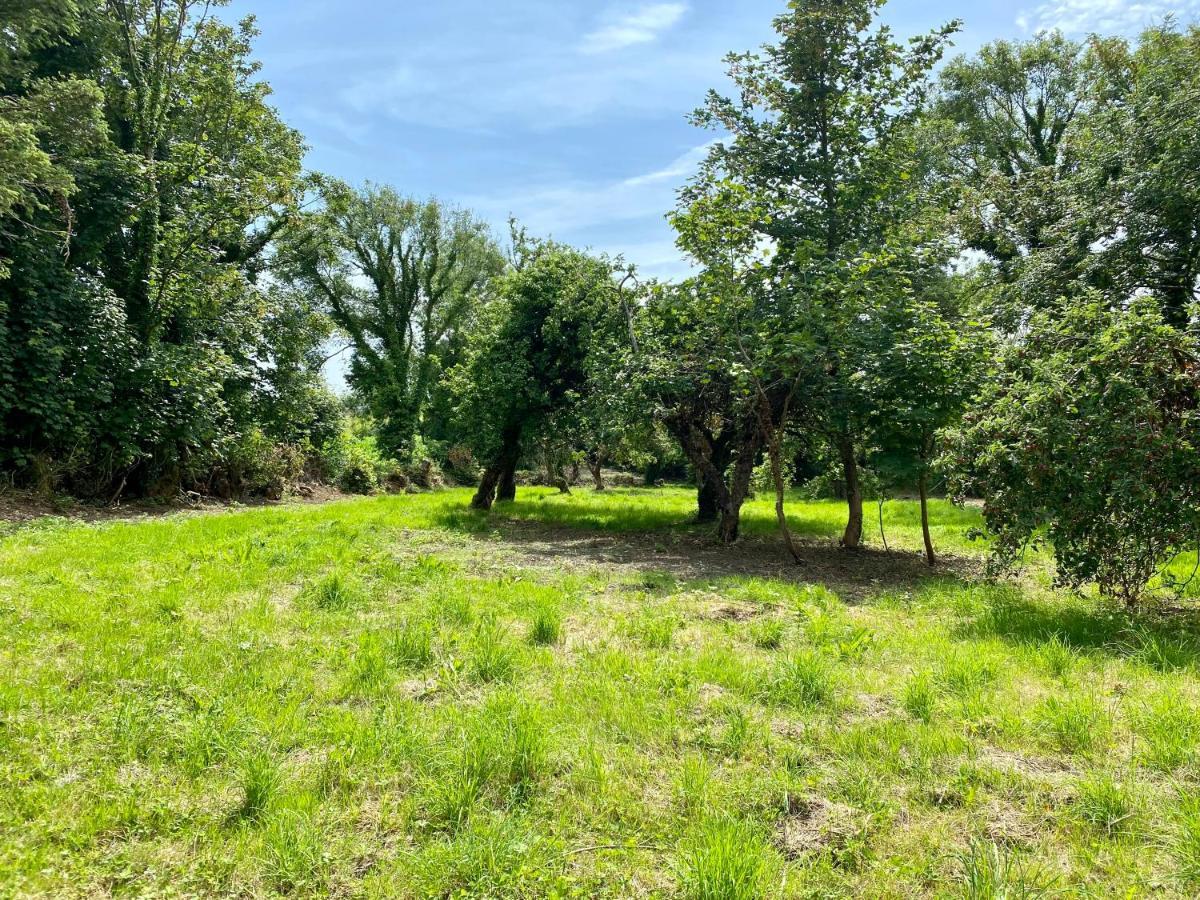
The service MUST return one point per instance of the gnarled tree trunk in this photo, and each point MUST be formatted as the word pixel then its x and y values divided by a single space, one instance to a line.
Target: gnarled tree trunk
pixel 500 477
pixel 596 467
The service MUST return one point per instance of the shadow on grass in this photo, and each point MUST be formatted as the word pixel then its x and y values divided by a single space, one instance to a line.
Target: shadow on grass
pixel 666 539
pixel 1163 641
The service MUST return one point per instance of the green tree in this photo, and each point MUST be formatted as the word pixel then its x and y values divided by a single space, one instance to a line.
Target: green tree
pixel 818 172
pixel 922 361
pixel 686 371
pixel 401 278
pixel 132 322
pixel 536 359
pixel 1005 120
pixel 1136 200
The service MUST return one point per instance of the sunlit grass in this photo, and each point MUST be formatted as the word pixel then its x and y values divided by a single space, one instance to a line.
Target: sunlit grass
pixel 398 697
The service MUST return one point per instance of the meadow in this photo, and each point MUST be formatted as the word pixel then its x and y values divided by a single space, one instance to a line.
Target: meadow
pixel 578 697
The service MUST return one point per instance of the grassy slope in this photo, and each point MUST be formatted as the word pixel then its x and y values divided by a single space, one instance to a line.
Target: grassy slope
pixel 396 697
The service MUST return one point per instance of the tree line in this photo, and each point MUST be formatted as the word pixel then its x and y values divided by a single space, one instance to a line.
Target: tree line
pixel 911 274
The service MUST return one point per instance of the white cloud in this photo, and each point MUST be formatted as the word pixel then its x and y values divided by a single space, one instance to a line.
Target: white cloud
pixel 568 210
pixel 628 29
pixel 1104 16
pixel 626 216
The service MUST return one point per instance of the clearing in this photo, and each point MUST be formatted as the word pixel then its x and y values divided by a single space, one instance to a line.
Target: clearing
pixel 578 696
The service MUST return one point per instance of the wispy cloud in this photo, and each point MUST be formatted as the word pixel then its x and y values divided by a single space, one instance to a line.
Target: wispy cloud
pixel 623 216
pixel 568 210
pixel 627 29
pixel 1104 16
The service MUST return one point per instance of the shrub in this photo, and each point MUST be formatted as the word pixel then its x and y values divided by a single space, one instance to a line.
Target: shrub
pixel 252 465
pixel 354 462
pixel 1088 438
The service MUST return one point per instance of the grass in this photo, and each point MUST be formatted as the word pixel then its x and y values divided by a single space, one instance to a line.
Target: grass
pixel 397 697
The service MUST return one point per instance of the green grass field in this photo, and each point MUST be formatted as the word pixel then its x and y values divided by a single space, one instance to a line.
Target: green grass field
pixel 396 697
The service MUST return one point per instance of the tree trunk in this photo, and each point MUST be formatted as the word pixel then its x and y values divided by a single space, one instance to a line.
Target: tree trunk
pixel 596 466
pixel 499 479
pixel 555 475
pixel 923 487
pixel 486 495
pixel 739 489
pixel 508 481
pixel 775 453
pixel 852 539
pixel 708 501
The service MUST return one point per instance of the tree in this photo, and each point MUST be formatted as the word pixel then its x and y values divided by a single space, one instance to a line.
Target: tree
pixel 1090 438
pixel 536 357
pixel 132 322
pixel 922 361
pixel 1005 119
pixel 685 374
pixel 400 277
pixel 1136 200
pixel 816 173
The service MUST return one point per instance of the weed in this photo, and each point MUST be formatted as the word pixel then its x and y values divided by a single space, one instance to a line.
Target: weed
pixel 1169 728
pixel 259 778
pixel 695 776
pixel 804 678
pixel 1106 804
pixel 737 732
pixel 333 592
pixel 1075 724
pixel 656 629
pixel 492 655
pixel 920 697
pixel 412 645
pixel 547 626
pixel 992 872
pixel 725 860
pixel 966 675
pixel 1184 839
pixel 526 743
pixel 1057 657
pixel 293 853
pixel 767 634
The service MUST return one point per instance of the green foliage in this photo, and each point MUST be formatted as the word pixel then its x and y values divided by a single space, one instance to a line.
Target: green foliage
pixel 544 348
pixel 1089 438
pixel 402 279
pixel 137 359
pixel 1010 168
pixel 353 461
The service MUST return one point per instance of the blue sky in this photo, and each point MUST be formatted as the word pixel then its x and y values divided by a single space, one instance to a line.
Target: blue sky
pixel 569 114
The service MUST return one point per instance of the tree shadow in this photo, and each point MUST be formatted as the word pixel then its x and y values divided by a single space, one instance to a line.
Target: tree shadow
pixel 1166 640
pixel 660 541
pixel 688 552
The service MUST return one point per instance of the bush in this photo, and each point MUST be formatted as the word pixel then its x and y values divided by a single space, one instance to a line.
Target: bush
pixel 252 465
pixel 461 465
pixel 1090 437
pixel 354 463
